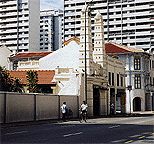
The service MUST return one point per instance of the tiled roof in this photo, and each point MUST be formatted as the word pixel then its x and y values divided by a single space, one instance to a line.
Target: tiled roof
pixel 72 39
pixel 44 76
pixel 37 54
pixel 117 48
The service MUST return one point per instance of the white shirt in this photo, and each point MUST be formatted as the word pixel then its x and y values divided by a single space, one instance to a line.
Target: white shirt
pixel 84 107
pixel 63 108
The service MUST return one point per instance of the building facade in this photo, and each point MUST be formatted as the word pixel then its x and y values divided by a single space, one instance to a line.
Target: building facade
pixel 20 25
pixel 69 66
pixel 126 22
pixel 50 30
pixel 25 61
pixel 152 81
pixel 4 54
pixel 138 76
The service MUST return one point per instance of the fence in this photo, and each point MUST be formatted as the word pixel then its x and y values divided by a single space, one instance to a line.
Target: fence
pixel 18 107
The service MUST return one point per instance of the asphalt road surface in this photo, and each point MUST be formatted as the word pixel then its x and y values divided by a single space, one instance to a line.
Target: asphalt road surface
pixel 136 130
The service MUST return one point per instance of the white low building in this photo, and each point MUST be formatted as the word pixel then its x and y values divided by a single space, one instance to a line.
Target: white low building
pixel 4 54
pixel 69 66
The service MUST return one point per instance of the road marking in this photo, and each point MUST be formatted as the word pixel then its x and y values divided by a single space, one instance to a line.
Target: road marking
pixel 129 141
pixel 146 133
pixel 135 136
pixel 68 126
pixel 117 141
pixel 152 134
pixel 16 133
pixel 114 126
pixel 141 137
pixel 72 134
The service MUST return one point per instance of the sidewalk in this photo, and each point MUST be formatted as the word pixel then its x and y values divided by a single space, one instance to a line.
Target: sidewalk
pixel 143 112
pixel 56 121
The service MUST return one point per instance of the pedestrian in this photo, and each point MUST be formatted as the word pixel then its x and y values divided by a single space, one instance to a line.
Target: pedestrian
pixel 84 111
pixel 112 108
pixel 80 112
pixel 64 111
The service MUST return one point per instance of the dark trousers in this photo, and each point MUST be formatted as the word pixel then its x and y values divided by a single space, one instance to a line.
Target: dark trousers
pixel 112 111
pixel 64 115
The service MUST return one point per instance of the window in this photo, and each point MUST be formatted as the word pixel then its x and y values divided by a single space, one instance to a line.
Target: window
pixel 153 64
pixel 121 81
pixel 137 63
pixel 117 79
pixel 109 78
pixel 15 65
pixel 112 78
pixel 137 81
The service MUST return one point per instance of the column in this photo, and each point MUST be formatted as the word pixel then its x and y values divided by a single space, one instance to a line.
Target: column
pixel 127 62
pixel 132 62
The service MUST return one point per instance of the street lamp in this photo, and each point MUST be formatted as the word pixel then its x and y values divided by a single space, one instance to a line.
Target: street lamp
pixel 85 54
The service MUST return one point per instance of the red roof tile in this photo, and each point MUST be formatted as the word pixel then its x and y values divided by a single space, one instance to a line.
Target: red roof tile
pixel 44 76
pixel 117 48
pixel 38 54
pixel 110 48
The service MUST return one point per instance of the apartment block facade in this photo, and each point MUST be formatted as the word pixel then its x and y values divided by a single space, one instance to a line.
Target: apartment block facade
pixel 50 30
pixel 20 25
pixel 126 22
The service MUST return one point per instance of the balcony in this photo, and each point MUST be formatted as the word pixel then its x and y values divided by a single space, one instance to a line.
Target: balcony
pixel 9 25
pixel 28 65
pixel 8 3
pixel 11 42
pixel 23 41
pixel 143 33
pixel 8 14
pixel 23 35
pixel 8 31
pixel 8 20
pixel 8 36
pixel 143 46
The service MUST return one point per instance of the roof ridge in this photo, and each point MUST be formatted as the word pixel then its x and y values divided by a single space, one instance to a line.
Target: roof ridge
pixel 126 48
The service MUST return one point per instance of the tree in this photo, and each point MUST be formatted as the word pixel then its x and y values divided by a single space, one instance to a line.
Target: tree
pixel 17 87
pixel 32 79
pixel 6 80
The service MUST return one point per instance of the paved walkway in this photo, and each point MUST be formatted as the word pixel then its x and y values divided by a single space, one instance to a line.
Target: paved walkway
pixel 133 114
pixel 143 112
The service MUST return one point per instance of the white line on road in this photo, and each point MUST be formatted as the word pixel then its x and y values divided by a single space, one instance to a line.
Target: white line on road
pixel 72 134
pixel 133 136
pixel 16 133
pixel 114 126
pixel 68 126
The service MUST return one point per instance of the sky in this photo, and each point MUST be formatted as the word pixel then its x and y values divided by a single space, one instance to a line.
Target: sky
pixel 51 4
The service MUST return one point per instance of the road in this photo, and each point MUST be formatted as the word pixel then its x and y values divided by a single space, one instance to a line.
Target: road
pixel 136 130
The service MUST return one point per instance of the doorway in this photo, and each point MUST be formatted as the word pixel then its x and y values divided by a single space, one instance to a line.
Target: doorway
pixel 96 102
pixel 137 104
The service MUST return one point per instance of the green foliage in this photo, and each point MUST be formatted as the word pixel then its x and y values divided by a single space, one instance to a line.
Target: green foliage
pixel 32 80
pixel 7 83
pixel 6 80
pixel 17 85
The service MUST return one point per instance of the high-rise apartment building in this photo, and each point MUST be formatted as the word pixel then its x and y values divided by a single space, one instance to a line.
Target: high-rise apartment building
pixel 126 22
pixel 20 25
pixel 50 30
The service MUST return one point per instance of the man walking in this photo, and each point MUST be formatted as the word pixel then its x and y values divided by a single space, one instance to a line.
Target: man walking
pixel 64 111
pixel 84 111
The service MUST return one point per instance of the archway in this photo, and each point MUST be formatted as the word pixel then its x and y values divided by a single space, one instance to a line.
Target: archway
pixel 136 104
